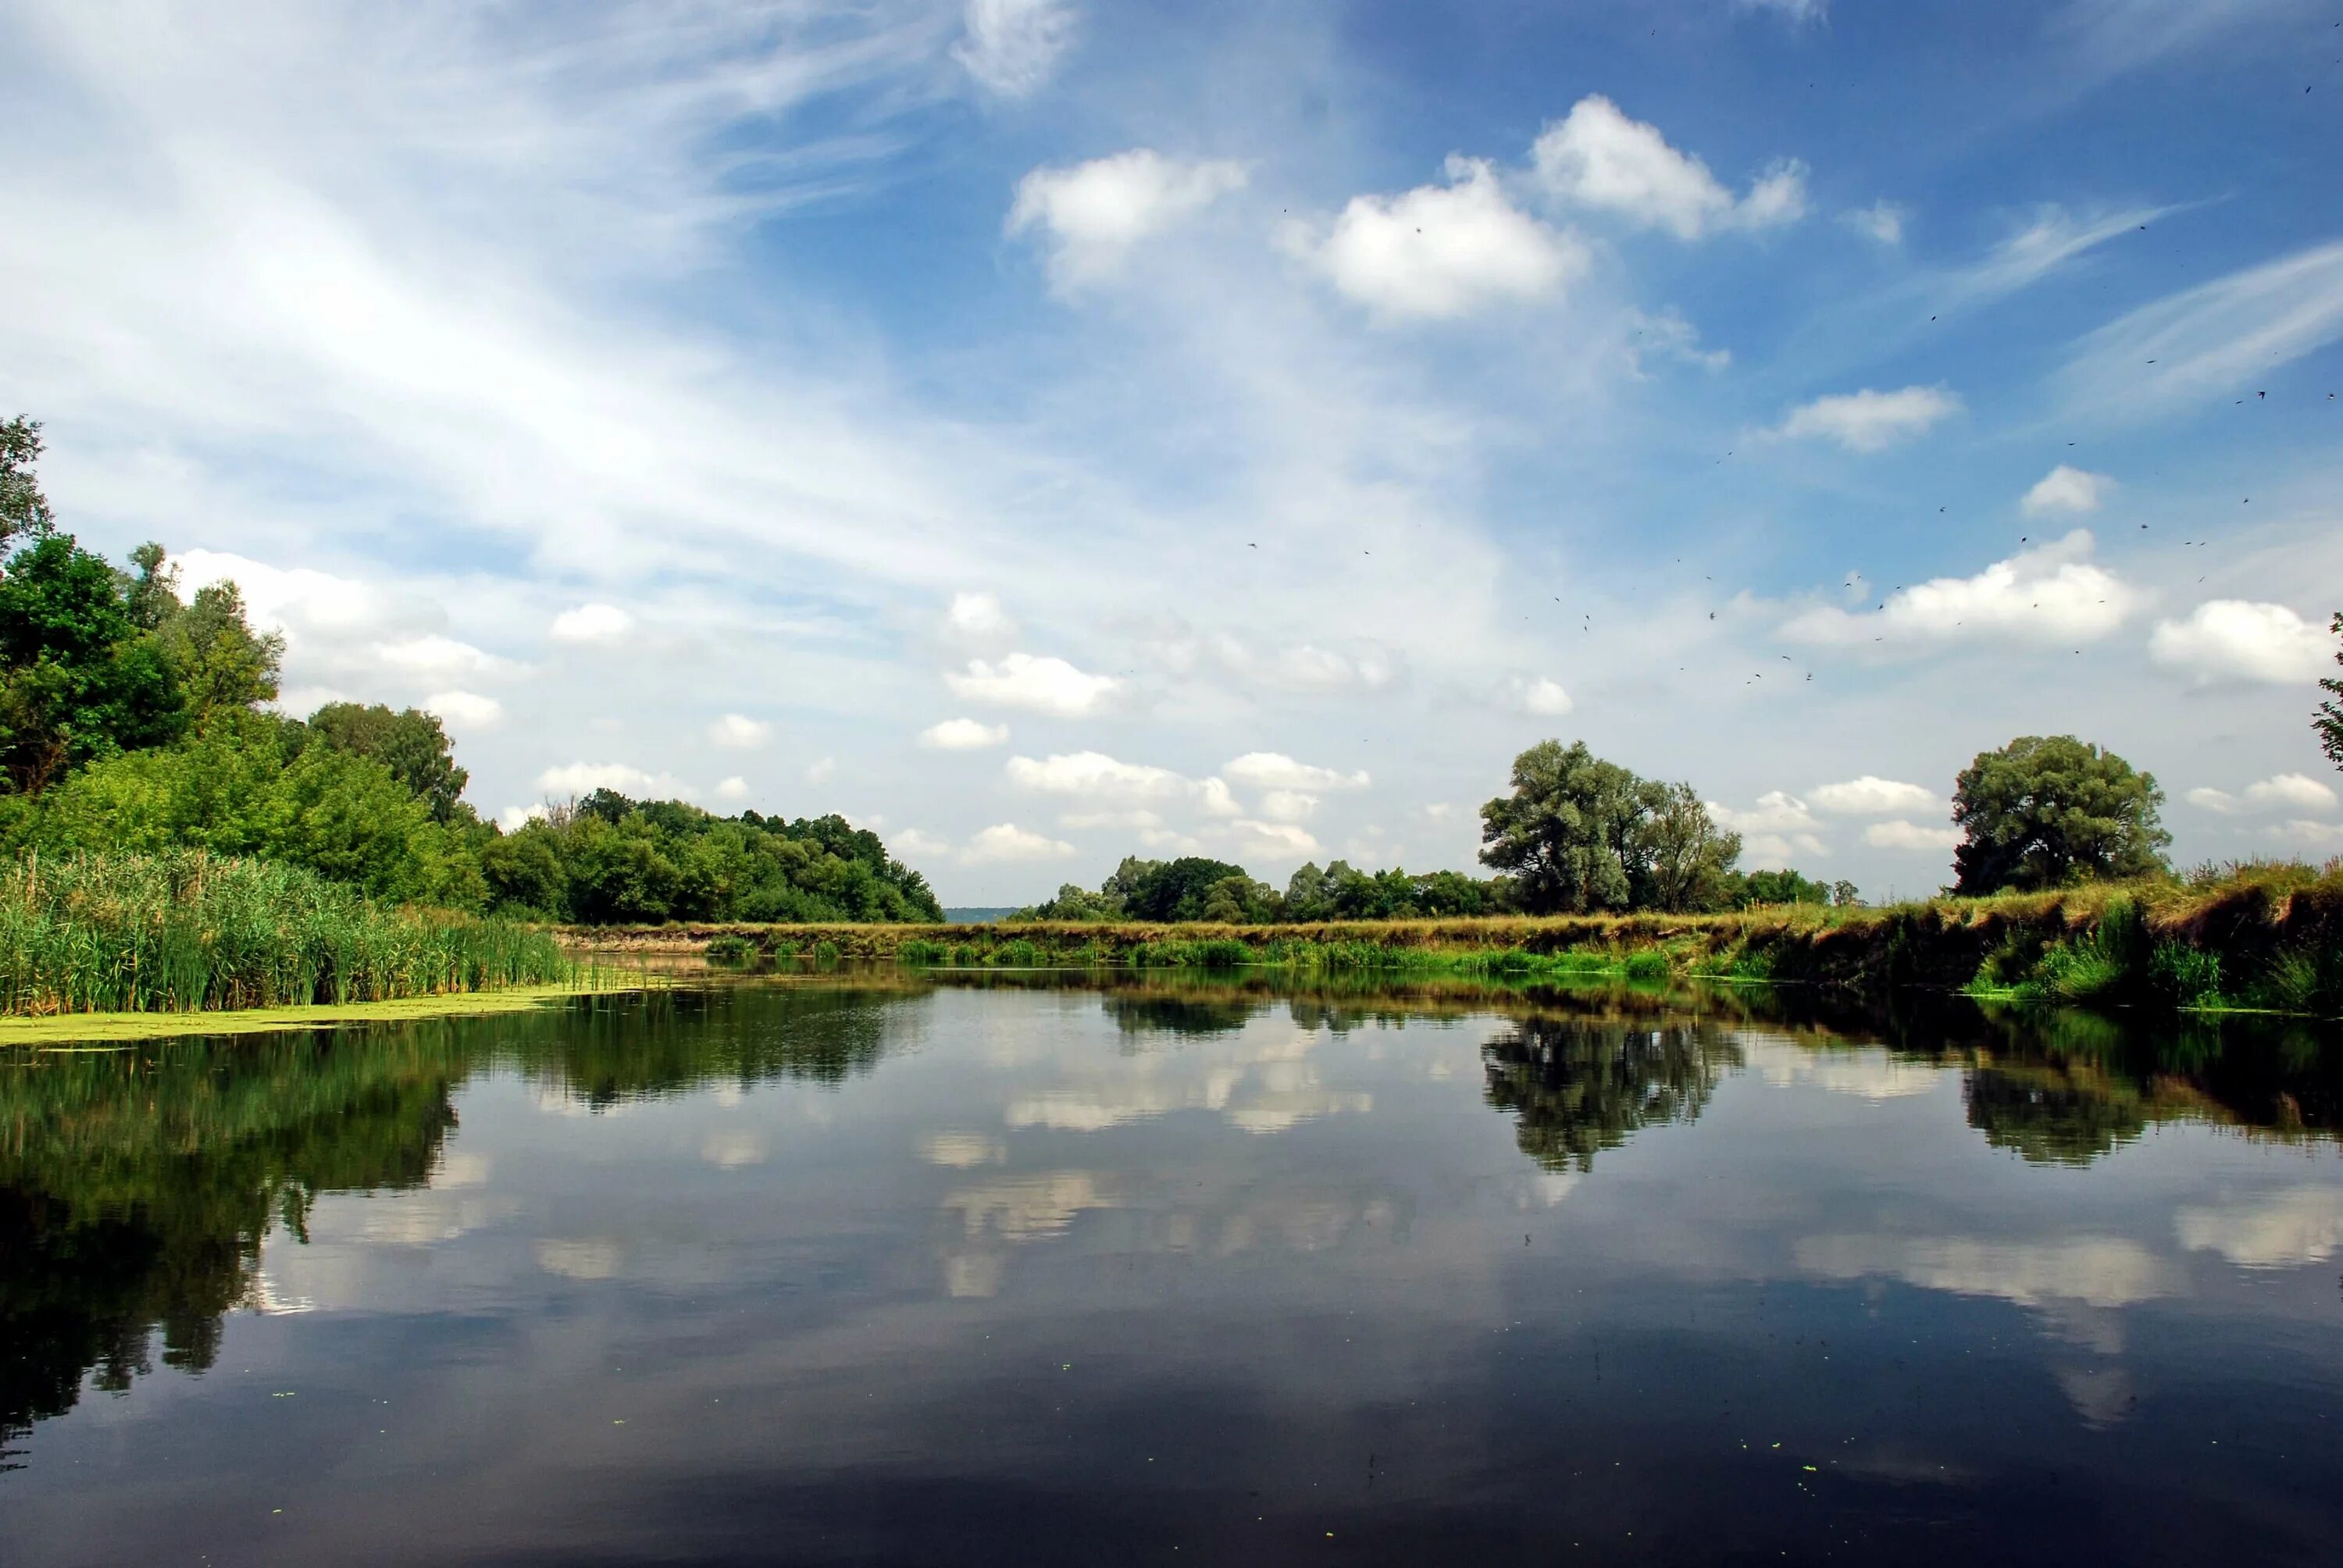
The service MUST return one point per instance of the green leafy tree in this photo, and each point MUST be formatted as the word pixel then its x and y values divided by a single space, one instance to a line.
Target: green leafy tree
pixel 2329 720
pixel 1175 889
pixel 1682 859
pixel 1784 887
pixel 1567 835
pixel 409 741
pixel 1845 895
pixel 2047 811
pixel 23 511
pixel 79 678
pixel 1240 900
pixel 223 665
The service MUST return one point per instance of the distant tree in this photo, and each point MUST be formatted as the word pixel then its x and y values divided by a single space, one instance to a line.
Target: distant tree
pixel 1785 887
pixel 2328 721
pixel 409 741
pixel 222 664
pixel 1845 895
pixel 1239 900
pixel 1683 859
pixel 1176 889
pixel 1452 893
pixel 1567 835
pixel 1309 894
pixel 2047 811
pixel 24 511
pixel 1074 903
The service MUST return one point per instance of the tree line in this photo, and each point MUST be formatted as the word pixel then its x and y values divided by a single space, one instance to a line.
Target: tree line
pixel 135 718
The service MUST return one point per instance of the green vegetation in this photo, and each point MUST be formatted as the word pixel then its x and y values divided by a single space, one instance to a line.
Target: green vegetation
pixel 2046 812
pixel 185 932
pixel 2329 719
pixel 1579 835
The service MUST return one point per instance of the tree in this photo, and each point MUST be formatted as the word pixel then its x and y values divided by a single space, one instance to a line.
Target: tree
pixel 79 678
pixel 1682 858
pixel 1239 900
pixel 1845 895
pixel 222 664
pixel 1175 889
pixel 1785 886
pixel 2328 721
pixel 23 511
pixel 410 743
pixel 2047 812
pixel 1567 834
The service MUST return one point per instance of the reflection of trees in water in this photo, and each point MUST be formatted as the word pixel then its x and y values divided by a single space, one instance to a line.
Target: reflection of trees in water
pixel 1577 1086
pixel 1173 1013
pixel 609 1050
pixel 135 1191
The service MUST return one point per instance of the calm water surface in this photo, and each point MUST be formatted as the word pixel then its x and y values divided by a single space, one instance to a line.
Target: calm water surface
pixel 829 1269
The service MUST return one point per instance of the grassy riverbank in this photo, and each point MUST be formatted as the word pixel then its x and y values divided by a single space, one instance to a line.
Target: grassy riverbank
pixel 2267 937
pixel 188 932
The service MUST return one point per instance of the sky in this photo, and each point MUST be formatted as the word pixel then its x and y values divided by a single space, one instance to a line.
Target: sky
pixel 1045 430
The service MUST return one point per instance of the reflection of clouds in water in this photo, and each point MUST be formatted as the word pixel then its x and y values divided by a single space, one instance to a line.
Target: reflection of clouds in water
pixel 1545 1190
pixel 2279 1230
pixel 580 1259
pixel 2102 1396
pixel 462 1170
pixel 1866 1074
pixel 731 1149
pixel 973 1275
pixel 269 1299
pixel 1259 1078
pixel 727 1095
pixel 556 1100
pixel 420 1219
pixel 962 1151
pixel 2096 1270
pixel 1025 1208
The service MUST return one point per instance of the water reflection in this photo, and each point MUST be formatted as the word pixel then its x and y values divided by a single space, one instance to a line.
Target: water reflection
pixel 1578 1086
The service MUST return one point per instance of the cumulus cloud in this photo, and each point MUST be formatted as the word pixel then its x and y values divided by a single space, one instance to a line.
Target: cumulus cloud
pixel 2238 639
pixel 1094 776
pixel 1439 251
pixel 2282 791
pixel 962 735
pixel 1597 157
pixel 977 617
pixel 1882 221
pixel 465 709
pixel 913 842
pixel 2066 489
pixel 1005 842
pixel 513 818
pixel 1776 829
pixel 1289 805
pixel 1871 796
pixel 733 790
pixel 1277 843
pixel 592 623
pixel 1868 420
pixel 1011 47
pixel 2052 593
pixel 1041 684
pixel 2302 830
pixel 585 778
pixel 1275 770
pixel 738 732
pixel 1294 667
pixel 2280 1230
pixel 1539 696
pixel 1094 214
pixel 818 771
pixel 1902 835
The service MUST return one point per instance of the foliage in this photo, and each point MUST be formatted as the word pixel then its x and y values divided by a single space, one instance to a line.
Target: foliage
pixel 186 931
pixel 79 680
pixel 1779 887
pixel 1579 835
pixel 610 860
pixel 410 742
pixel 2328 721
pixel 23 511
pixel 2045 813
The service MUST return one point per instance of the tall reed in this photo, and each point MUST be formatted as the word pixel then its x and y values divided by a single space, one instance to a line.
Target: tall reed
pixel 188 931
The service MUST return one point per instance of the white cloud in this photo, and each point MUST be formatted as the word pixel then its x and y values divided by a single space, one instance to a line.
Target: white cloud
pixel 1289 805
pixel 1096 778
pixel 513 818
pixel 1797 13
pixel 2053 238
pixel 1043 685
pixel 1130 820
pixel 1902 835
pixel 1871 796
pixel 1011 47
pixel 465 709
pixel 434 659
pixel 2066 489
pixel 1539 696
pixel 1597 157
pixel 1095 212
pixel 1006 841
pixel 592 623
pixel 2282 791
pixel 1440 251
pixel 1882 221
pixel 1868 420
pixel 1275 770
pixel 819 771
pixel 2237 639
pixel 2302 830
pixel 1278 843
pixel 733 790
pixel 2100 1270
pixel 1295 666
pixel 2215 337
pixel 585 778
pixel 913 842
pixel 1215 797
pixel 962 735
pixel 2050 594
pixel 977 617
pixel 1777 828
pixel 738 732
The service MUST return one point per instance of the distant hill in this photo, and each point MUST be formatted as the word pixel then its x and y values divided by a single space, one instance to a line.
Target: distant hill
pixel 977 917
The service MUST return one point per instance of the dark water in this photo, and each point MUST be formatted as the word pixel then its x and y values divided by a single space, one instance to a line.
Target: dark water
pixel 884 1270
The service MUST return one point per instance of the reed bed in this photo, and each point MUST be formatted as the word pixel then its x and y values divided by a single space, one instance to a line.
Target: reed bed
pixel 188 932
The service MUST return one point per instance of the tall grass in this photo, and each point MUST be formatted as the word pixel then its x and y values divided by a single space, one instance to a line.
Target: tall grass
pixel 188 931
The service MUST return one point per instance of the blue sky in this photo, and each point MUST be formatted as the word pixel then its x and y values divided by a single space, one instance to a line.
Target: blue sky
pixel 1045 430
